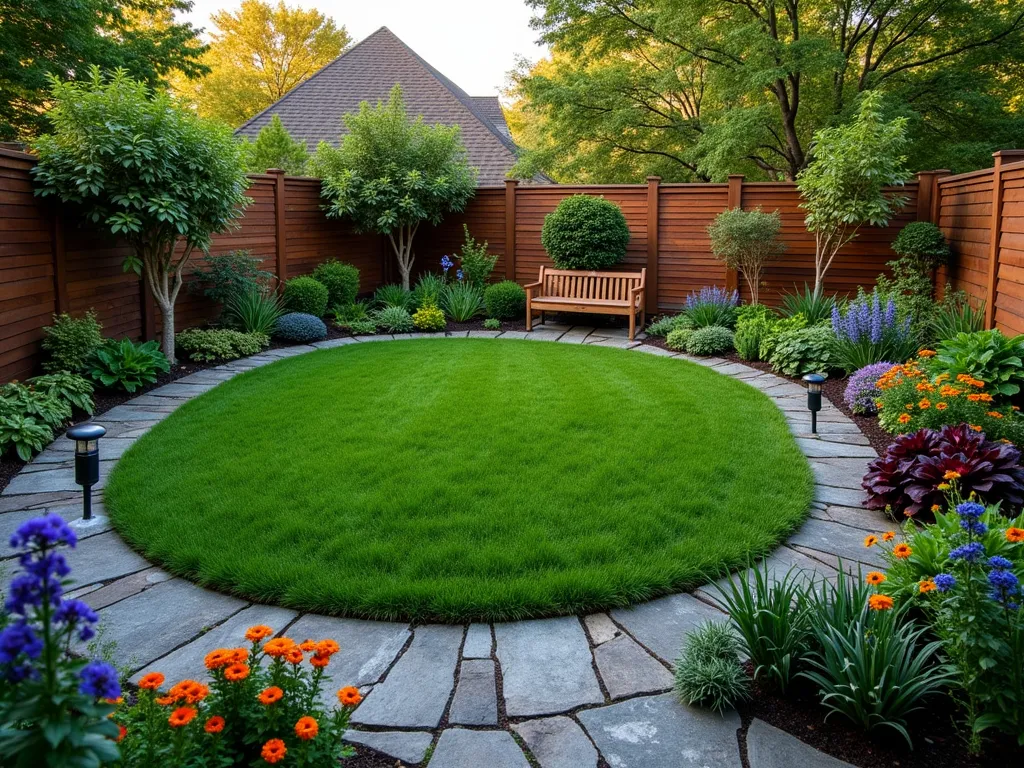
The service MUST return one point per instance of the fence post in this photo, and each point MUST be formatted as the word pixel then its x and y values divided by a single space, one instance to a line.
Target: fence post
pixel 735 200
pixel 653 217
pixel 510 228
pixel 60 272
pixel 928 210
pixel 279 225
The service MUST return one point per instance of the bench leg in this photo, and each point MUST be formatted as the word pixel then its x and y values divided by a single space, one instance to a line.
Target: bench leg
pixel 529 315
pixel 632 325
pixel 543 317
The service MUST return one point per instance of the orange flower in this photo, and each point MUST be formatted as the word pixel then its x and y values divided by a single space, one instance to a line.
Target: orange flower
pixel 189 690
pixel 327 648
pixel 151 681
pixel 349 696
pixel 273 751
pixel 115 702
pixel 936 507
pixel 902 551
pixel 320 661
pixel 239 656
pixel 951 474
pixel 271 695
pixel 1014 535
pixel 994 414
pixel 279 646
pixel 880 602
pixel 163 701
pixel 307 646
pixel 214 725
pixel 924 386
pixel 975 427
pixel 909 406
pixel 948 391
pixel 182 716
pixel 307 728
pixel 888 536
pixel 870 541
pixel 904 418
pixel 974 398
pixel 925 586
pixel 236 672
pixel 121 733
pixel 874 577
pixel 926 353
pixel 294 656
pixel 257 633
pixel 218 658
pixel 925 404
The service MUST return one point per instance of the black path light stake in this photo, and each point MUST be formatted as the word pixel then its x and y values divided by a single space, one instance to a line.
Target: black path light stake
pixel 87 462
pixel 814 382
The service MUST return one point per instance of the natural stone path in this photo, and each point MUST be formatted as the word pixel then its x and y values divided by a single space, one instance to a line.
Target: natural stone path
pixel 573 690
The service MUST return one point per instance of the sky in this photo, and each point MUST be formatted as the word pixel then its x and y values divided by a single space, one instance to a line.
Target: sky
pixel 473 42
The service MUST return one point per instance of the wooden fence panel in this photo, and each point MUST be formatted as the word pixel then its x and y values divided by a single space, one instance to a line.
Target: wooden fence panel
pixel 485 217
pixel 685 261
pixel 965 215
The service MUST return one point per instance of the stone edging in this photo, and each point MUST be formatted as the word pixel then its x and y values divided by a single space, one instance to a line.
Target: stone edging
pixel 568 686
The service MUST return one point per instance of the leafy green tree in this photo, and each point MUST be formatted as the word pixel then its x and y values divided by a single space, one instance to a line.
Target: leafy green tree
pixel 141 167
pixel 275 148
pixel 39 38
pixel 392 173
pixel 844 187
pixel 746 241
pixel 699 89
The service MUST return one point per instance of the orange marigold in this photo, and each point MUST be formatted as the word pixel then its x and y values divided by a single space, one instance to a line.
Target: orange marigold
pixel 870 541
pixel 349 696
pixel 951 474
pixel 904 418
pixel 874 577
pixel 218 658
pixel 151 681
pixel 164 701
pixel 279 646
pixel 327 648
pixel 975 427
pixel 936 507
pixel 925 586
pixel 909 406
pixel 271 695
pixel 236 672
pixel 214 725
pixel 924 404
pixel 320 661
pixel 941 406
pixel 294 656
pixel 1014 535
pixel 182 716
pixel 121 733
pixel 273 751
pixel 880 602
pixel 239 655
pixel 189 690
pixel 888 536
pixel 902 551
pixel 924 386
pixel 926 353
pixel 307 728
pixel 258 632
pixel 994 414
pixel 307 646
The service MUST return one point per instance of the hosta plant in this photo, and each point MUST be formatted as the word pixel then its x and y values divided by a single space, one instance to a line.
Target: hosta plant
pixel 76 390
pixel 915 472
pixel 127 364
pixel 987 356
pixel 806 350
pixel 23 433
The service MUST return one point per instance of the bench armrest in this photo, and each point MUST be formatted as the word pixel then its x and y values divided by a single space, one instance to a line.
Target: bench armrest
pixel 529 287
pixel 633 293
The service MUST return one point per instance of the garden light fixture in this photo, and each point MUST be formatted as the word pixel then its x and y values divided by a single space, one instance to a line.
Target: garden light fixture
pixel 87 463
pixel 814 382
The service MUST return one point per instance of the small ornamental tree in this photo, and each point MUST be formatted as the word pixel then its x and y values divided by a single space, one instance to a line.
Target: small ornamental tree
pixel 746 241
pixel 275 148
pixel 145 169
pixel 844 186
pixel 392 173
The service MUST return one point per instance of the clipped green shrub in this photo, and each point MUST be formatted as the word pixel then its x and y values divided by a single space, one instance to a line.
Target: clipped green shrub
pixel 306 295
pixel 708 672
pixel 362 327
pixel 923 242
pixel 805 350
pixel 585 232
pixel 206 345
pixel 492 324
pixel 300 327
pixel 505 300
pixel 393 320
pixel 665 324
pixel 429 317
pixel 341 281
pixel 126 364
pixel 70 341
pixel 710 340
pixel 678 338
pixel 393 296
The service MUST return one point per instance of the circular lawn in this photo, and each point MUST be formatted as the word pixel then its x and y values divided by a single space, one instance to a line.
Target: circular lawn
pixel 462 480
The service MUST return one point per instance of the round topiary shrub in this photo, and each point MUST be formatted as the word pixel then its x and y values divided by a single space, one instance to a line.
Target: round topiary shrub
pixel 677 338
pixel 306 295
pixel 429 318
pixel 505 300
pixel 341 281
pixel 924 242
pixel 710 340
pixel 585 232
pixel 300 327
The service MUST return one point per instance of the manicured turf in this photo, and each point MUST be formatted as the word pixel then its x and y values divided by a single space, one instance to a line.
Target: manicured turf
pixel 456 480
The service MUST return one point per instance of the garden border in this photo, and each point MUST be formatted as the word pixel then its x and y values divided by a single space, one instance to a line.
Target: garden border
pixel 555 682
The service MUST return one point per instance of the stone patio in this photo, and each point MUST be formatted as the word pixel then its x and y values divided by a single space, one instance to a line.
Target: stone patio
pixel 572 689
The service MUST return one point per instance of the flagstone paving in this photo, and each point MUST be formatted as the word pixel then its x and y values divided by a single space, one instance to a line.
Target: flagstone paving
pixel 569 691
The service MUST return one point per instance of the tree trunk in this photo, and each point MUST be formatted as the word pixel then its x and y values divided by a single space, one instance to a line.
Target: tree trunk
pixel 403 250
pixel 163 273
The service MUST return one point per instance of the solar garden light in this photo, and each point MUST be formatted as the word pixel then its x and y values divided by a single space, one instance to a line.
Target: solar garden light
pixel 87 465
pixel 814 382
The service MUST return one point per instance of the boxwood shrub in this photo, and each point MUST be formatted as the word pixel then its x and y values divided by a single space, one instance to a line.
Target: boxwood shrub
pixel 341 281
pixel 306 295
pixel 505 300
pixel 585 232
pixel 710 340
pixel 207 344
pixel 300 327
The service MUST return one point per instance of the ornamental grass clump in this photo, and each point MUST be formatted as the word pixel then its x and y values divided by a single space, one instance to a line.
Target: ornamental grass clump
pixel 868 331
pixel 393 320
pixel 261 704
pixel 712 305
pixel 862 389
pixel 709 672
pixel 54 708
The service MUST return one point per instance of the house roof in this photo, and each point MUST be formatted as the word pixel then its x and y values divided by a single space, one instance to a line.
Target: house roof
pixel 313 110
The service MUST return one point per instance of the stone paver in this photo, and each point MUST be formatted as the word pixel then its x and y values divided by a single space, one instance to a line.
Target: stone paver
pixel 822 449
pixel 627 669
pixel 124 587
pixel 840 473
pixel 836 539
pixel 546 666
pixel 557 742
pixel 768 747
pixel 101 558
pixel 601 628
pixel 462 748
pixel 368 648
pixel 407 746
pixel 476 699
pixel 658 731
pixel 661 624
pixel 478 642
pixel 416 690
pixel 11 521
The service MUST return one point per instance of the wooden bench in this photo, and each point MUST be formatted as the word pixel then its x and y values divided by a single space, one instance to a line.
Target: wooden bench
pixel 604 293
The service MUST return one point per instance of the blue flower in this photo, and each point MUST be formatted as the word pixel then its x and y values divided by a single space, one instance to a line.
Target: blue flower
pixel 458 274
pixel 976 527
pixel 1004 585
pixel 970 510
pixel 999 562
pixel 446 263
pixel 46 531
pixel 27 590
pixel 16 639
pixel 969 552
pixel 944 582
pixel 75 612
pixel 45 565
pixel 99 679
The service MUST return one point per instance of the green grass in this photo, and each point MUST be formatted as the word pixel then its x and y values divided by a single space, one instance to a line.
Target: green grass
pixel 460 480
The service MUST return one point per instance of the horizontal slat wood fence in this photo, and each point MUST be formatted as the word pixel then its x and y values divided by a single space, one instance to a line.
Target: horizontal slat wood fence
pixel 50 263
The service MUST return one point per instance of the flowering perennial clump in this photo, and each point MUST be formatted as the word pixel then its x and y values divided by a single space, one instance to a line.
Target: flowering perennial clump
pixel 868 331
pixel 862 389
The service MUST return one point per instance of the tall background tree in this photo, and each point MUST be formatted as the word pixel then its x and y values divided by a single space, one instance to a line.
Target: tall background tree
pixel 40 38
pixel 275 148
pixel 698 89
pixel 259 53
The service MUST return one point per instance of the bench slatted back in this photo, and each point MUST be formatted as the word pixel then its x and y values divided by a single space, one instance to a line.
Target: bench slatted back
pixel 571 284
